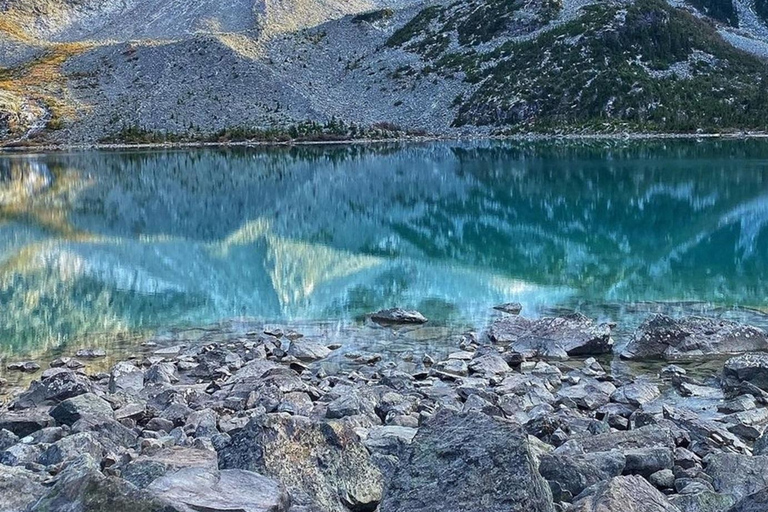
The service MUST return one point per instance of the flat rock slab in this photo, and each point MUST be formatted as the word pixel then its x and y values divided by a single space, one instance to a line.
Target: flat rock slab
pixel 202 489
pixel 661 336
pixel 467 463
pixel 751 368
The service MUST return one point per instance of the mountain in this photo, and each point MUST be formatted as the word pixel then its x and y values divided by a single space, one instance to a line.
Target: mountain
pixel 152 70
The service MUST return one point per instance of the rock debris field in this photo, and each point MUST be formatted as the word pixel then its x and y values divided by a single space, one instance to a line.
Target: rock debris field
pixel 537 415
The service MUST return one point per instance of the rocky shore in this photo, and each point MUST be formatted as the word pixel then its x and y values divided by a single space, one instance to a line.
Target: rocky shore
pixel 536 415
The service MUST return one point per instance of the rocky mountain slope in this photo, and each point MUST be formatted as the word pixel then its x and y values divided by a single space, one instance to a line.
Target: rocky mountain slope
pixel 145 70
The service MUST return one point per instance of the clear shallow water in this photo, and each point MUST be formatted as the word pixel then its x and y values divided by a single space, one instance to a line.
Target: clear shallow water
pixel 98 246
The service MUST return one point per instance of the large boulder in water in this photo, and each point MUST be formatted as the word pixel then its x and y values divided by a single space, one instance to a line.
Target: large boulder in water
pixel 559 337
pixel 322 463
pixel 465 463
pixel 661 336
pixel 623 494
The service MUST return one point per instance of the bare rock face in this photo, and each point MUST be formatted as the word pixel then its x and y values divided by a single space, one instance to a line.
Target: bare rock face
pixel 321 463
pixel 661 336
pixel 625 494
pixel 468 462
pixel 552 337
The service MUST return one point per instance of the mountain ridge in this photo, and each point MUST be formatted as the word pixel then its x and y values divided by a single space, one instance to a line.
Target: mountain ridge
pixel 448 68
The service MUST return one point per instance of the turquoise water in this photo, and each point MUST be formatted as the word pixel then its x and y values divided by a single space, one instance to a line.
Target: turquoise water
pixel 111 243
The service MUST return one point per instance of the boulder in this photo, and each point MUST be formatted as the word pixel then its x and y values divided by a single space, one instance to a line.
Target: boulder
pixel 19 488
pixel 308 350
pixel 125 377
pixel 81 487
pixel 636 393
pixel 204 489
pixel 24 366
pixel 147 468
pixel 320 462
pixel 72 409
pixel 398 316
pixel 552 337
pixel 623 494
pixel 512 308
pixel 574 473
pixel 751 368
pixel 71 447
pixel 757 502
pixel 24 423
pixel 737 475
pixel 705 500
pixel 661 336
pixel 54 388
pixel 468 462
pixel 649 436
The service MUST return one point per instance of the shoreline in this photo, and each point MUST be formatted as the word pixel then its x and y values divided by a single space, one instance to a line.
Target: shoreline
pixel 532 137
pixel 269 421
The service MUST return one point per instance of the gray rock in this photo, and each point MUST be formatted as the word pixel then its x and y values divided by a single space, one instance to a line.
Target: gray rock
pixel 646 461
pixel 702 501
pixel 51 390
pixel 125 377
pixel 708 436
pixel 91 353
pixel 513 308
pixel 7 439
pixel 661 336
pixel 161 373
pixel 24 366
pixel 623 494
pixel 468 462
pixel 202 489
pixel 321 462
pixel 81 487
pixel 71 447
pixel 24 423
pixel 389 440
pixel 574 473
pixel 489 365
pixel 552 337
pixel 649 436
pixel 398 316
pixel 662 479
pixel 586 395
pixel 110 433
pixel 751 368
pixel 308 350
pixel 757 502
pixel 21 454
pixel 147 468
pixel 72 409
pixel 738 475
pixel 637 393
pixel 19 488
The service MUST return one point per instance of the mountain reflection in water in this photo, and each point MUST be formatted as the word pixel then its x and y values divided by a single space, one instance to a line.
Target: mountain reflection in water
pixel 114 242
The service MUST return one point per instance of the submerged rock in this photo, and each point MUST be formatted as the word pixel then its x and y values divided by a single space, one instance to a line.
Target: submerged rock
pixel 552 337
pixel 661 336
pixel 513 308
pixel 398 316
pixel 468 462
pixel 24 366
